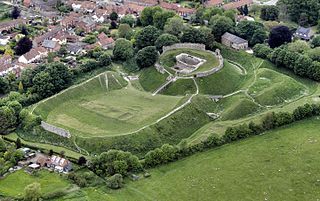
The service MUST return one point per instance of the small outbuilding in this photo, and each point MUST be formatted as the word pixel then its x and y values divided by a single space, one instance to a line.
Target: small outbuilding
pixel 234 41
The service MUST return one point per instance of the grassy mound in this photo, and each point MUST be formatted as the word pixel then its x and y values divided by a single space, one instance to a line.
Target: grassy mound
pixel 237 107
pixel 226 81
pixel 272 88
pixel 168 60
pixel 180 87
pixel 150 79
pixel 97 109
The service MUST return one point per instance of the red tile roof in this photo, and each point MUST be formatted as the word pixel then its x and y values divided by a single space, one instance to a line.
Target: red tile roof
pixel 214 2
pixel 237 4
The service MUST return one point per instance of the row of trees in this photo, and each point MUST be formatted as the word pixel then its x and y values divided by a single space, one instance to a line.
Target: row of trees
pixel 301 65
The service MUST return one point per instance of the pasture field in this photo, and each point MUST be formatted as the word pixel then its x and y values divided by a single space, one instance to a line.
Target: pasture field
pixel 168 59
pixel 105 107
pixel 13 185
pixel 278 165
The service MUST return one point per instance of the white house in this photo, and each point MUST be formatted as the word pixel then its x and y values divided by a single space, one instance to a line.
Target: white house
pixel 33 55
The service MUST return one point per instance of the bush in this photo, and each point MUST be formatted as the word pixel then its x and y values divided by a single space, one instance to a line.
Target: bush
pixel 115 181
pixel 262 51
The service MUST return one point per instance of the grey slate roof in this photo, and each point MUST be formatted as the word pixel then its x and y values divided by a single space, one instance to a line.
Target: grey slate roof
pixel 49 44
pixel 235 39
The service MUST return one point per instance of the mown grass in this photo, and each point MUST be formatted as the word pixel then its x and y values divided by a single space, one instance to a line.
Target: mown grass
pixel 13 185
pixel 95 109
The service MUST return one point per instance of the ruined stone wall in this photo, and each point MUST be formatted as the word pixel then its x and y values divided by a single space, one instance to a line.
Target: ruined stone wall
pixel 197 46
pixel 56 130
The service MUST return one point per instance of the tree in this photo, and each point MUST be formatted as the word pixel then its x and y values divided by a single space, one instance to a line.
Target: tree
pixel 230 14
pixel 113 16
pixel 262 51
pixel 32 192
pixel 146 16
pixel 50 152
pixel 299 46
pixel 302 66
pixel 23 46
pixel 16 106
pixel 147 37
pixel 125 31
pixel 82 160
pixel 161 17
pixel 147 56
pixel 4 85
pixel 123 49
pixel 18 143
pixel 8 119
pixel 303 11
pixel 15 13
pixel 279 35
pixel 24 30
pixel 269 13
pixel 174 26
pixel 193 35
pixel 252 31
pixel 42 84
pixel 315 41
pixel 220 25
pixel 90 39
pixel 104 59
pixel 115 181
pixel 314 54
pixel 165 40
pixel 245 10
pixel 128 19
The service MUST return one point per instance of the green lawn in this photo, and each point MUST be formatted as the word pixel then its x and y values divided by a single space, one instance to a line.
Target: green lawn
pixel 13 185
pixel 280 165
pixel 93 109
pixel 167 59
pixel 150 79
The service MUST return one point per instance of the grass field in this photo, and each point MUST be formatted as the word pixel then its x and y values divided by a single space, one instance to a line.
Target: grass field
pixel 168 60
pixel 93 109
pixel 13 185
pixel 150 79
pixel 279 165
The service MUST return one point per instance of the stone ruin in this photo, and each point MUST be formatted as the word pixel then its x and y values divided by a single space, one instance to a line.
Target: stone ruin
pixel 56 130
pixel 187 63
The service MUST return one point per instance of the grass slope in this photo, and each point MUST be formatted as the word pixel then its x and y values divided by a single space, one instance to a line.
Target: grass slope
pixel 93 109
pixel 13 185
pixel 273 88
pixel 180 87
pixel 281 165
pixel 223 82
pixel 150 79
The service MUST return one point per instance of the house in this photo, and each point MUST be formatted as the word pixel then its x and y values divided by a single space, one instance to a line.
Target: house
pixel 74 48
pixel 304 33
pixel 5 64
pixel 4 40
pixel 51 45
pixel 234 41
pixel 60 164
pixel 47 36
pixel 217 3
pixel 105 42
pixel 33 55
pixel 237 4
